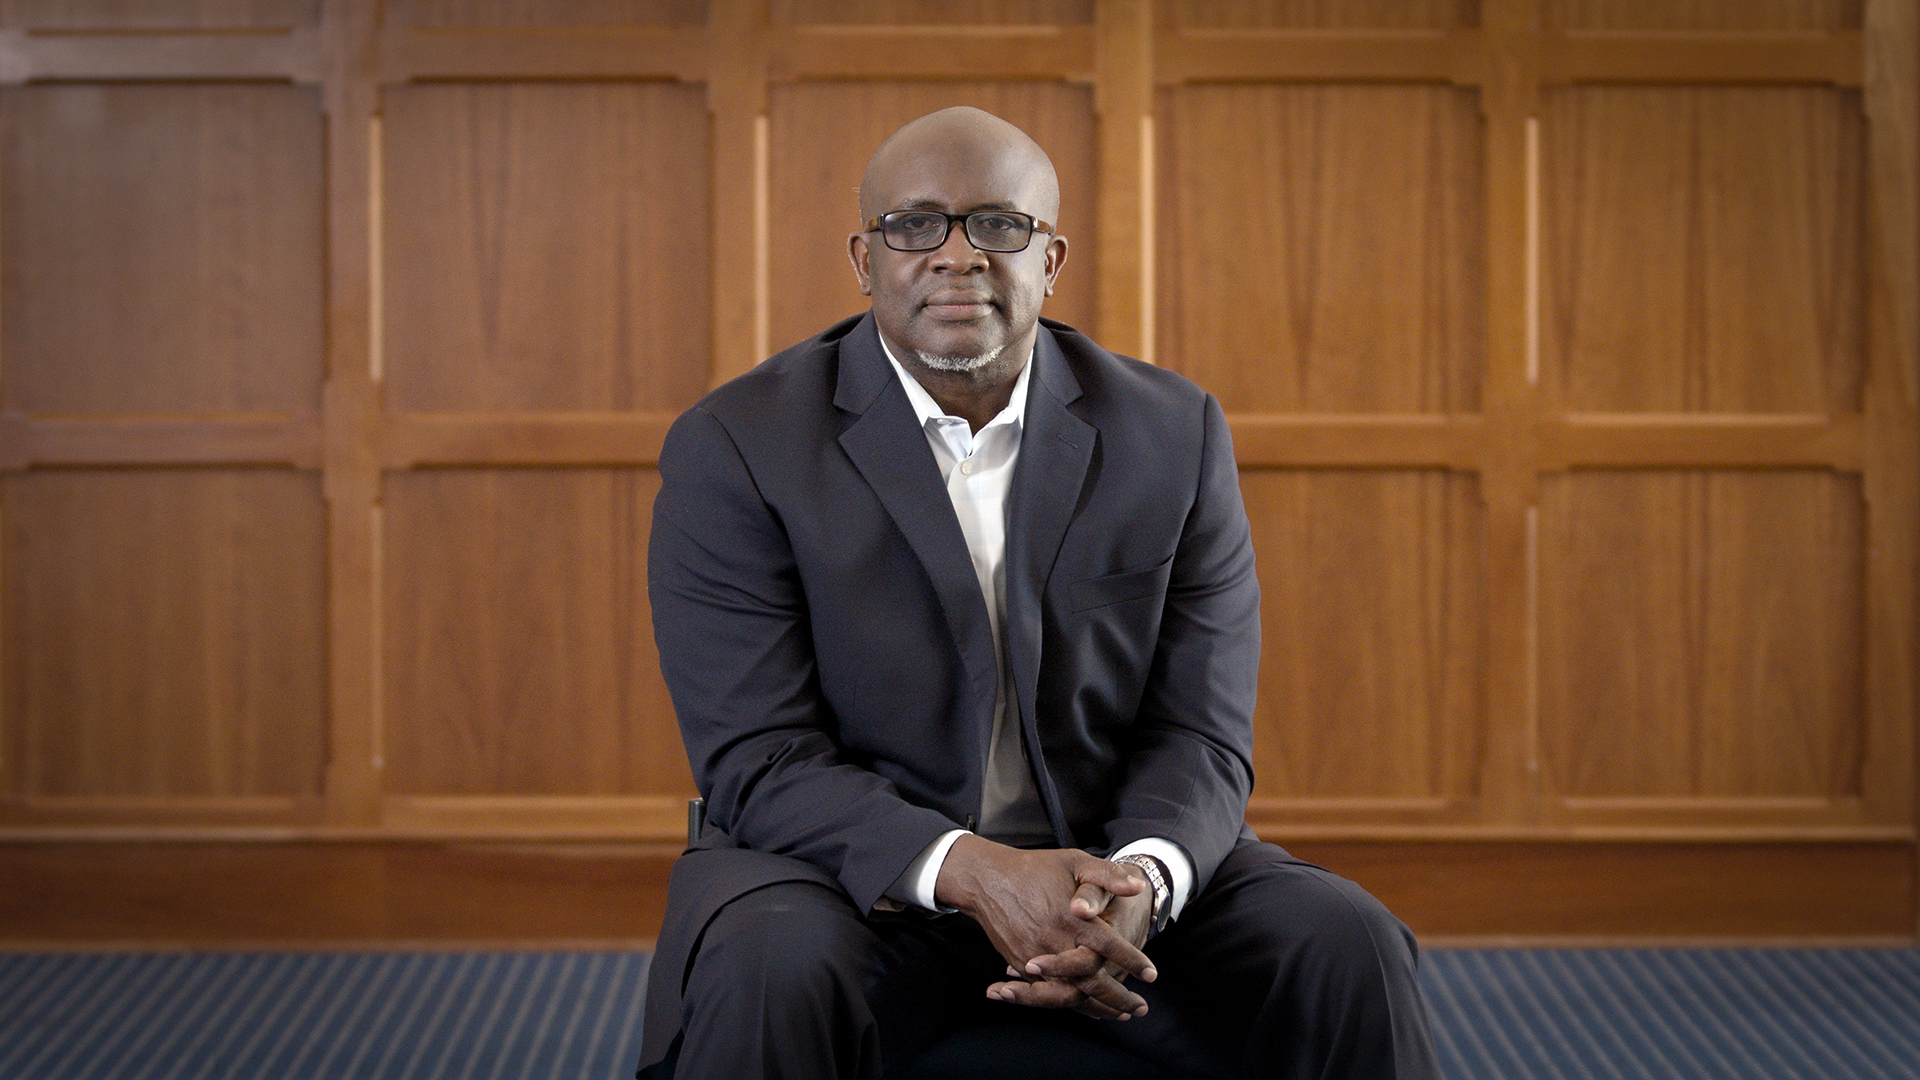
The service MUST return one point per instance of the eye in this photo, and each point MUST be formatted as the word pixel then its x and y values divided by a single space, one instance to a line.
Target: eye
pixel 997 223
pixel 913 221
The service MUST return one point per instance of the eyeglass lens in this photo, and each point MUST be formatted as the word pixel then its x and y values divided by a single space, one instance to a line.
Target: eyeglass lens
pixel 988 230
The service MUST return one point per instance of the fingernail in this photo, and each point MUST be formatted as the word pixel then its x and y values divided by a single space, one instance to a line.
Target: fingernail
pixel 1150 974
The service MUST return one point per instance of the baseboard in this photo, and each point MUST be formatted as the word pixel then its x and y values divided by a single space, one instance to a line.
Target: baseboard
pixel 399 895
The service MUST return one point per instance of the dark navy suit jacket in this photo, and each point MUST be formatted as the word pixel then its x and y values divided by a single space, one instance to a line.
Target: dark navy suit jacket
pixel 827 647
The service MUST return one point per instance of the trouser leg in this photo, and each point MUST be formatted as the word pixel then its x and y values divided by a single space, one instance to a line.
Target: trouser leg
pixel 789 981
pixel 1283 969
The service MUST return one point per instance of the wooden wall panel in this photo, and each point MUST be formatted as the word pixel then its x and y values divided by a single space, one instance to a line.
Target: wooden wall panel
pixel 949 13
pixel 1371 14
pixel 162 248
pixel 157 14
pixel 1703 14
pixel 1338 266
pixel 163 633
pixel 503 13
pixel 820 135
pixel 1372 632
pixel 1702 633
pixel 519 650
pixel 547 246
pixel 1705 249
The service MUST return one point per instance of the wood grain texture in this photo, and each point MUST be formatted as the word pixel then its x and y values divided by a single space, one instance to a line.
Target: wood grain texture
pixel 157 14
pixel 1372 632
pixel 1337 265
pixel 519 648
pixel 948 12
pixel 820 137
pixel 1702 14
pixel 1702 634
pixel 544 13
pixel 164 632
pixel 163 248
pixel 546 246
pixel 1703 249
pixel 1343 14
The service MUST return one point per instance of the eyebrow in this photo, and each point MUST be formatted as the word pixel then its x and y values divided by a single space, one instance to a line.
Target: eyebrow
pixel 935 204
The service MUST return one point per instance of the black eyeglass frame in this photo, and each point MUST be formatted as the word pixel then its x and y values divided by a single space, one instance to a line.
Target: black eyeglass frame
pixel 1035 225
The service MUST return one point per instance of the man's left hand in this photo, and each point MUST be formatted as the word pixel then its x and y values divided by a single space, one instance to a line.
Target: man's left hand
pixel 1068 980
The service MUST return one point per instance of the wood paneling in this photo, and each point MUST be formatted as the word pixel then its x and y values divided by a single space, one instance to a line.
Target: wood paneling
pixel 502 13
pixel 949 12
pixel 546 246
pixel 814 184
pixel 519 650
pixel 1372 632
pixel 162 633
pixel 1569 348
pixel 1705 249
pixel 163 248
pixel 157 14
pixel 1338 267
pixel 1702 634
pixel 1369 14
pixel 1703 14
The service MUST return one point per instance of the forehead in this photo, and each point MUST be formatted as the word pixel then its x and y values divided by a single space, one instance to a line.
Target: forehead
pixel 957 176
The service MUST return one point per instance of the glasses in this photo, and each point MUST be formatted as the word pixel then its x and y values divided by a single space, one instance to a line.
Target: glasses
pixel 998 231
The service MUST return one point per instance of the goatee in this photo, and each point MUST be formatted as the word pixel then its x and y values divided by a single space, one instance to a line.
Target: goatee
pixel 960 363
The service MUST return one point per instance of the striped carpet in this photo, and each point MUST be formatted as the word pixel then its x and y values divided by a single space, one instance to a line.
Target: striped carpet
pixel 1746 1014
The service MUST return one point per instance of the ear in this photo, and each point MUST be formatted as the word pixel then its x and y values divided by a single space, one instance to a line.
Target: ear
pixel 857 252
pixel 1056 258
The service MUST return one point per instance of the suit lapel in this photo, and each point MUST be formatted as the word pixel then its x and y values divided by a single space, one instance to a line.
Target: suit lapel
pixel 890 450
pixel 1056 449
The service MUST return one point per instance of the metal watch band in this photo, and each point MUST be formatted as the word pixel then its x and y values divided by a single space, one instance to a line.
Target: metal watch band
pixel 1157 879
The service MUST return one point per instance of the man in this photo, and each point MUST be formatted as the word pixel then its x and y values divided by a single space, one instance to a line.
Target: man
pixel 946 598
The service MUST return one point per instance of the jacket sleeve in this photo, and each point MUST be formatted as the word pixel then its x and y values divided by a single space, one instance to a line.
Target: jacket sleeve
pixel 1190 770
pixel 736 649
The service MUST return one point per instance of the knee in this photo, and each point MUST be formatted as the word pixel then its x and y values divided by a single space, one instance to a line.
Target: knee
pixel 1344 929
pixel 784 940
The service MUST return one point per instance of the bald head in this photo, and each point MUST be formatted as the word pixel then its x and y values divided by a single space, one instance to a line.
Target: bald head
pixel 956 143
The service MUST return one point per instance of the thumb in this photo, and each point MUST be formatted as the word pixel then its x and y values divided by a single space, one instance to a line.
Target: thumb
pixel 1108 876
pixel 1089 900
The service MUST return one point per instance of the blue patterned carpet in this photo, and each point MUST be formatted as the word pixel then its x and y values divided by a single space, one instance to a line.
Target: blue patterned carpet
pixel 1745 1014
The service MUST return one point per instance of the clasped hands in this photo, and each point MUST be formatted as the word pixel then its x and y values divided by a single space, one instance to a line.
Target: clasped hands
pixel 1069 925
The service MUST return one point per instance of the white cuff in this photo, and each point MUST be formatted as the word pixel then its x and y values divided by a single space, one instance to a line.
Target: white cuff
pixel 915 884
pixel 1174 858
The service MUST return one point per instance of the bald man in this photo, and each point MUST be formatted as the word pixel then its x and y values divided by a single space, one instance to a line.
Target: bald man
pixel 959 617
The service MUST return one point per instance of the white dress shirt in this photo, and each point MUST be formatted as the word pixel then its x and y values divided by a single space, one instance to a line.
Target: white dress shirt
pixel 978 469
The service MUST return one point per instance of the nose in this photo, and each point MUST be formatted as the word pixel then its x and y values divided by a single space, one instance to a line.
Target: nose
pixel 958 255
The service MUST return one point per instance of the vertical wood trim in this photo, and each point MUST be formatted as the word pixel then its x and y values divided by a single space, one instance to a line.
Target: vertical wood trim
pixel 1533 251
pixel 376 250
pixel 1149 203
pixel 351 478
pixel 1123 107
pixel 1892 461
pixel 762 239
pixel 1509 479
pixel 737 101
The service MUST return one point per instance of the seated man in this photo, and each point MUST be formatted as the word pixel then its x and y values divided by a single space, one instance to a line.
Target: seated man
pixel 947 598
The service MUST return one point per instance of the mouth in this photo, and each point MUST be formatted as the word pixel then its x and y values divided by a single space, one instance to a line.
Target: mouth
pixel 958 307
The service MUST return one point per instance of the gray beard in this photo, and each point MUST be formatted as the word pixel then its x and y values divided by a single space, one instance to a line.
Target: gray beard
pixel 960 363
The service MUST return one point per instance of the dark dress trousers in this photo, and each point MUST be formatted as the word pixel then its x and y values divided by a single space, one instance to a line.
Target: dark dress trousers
pixel 828 651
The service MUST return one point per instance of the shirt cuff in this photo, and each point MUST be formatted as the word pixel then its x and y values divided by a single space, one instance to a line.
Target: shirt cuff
pixel 1172 856
pixel 915 884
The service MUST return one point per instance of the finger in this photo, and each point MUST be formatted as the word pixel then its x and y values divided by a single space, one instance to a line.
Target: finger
pixel 1107 990
pixel 1076 963
pixel 1109 876
pixel 1103 939
pixel 1038 995
pixel 1089 900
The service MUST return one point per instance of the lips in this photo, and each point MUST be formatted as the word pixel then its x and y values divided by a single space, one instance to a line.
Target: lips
pixel 958 306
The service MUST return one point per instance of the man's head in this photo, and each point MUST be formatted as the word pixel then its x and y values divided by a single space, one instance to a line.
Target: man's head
pixel 956 307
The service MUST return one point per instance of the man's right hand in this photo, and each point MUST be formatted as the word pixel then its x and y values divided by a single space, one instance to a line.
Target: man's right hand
pixel 1025 901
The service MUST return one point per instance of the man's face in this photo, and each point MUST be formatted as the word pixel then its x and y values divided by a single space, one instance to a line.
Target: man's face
pixel 956 301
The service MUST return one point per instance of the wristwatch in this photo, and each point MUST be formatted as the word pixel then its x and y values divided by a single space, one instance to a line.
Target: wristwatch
pixel 1157 879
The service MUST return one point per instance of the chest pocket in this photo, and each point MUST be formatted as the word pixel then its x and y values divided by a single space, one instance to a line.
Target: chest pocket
pixel 1119 588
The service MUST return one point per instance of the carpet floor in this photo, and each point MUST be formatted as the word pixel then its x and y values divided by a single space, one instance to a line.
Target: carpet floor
pixel 1632 1014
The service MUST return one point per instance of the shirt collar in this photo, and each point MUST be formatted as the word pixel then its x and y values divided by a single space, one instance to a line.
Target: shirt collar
pixel 929 410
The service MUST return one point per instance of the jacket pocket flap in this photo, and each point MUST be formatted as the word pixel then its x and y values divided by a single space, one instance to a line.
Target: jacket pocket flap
pixel 1116 588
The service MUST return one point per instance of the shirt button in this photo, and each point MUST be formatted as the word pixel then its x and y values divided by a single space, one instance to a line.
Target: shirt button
pixel 966 468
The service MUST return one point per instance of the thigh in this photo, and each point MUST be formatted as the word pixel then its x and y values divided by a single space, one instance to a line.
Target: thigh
pixel 1277 953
